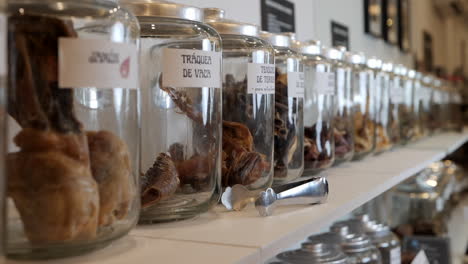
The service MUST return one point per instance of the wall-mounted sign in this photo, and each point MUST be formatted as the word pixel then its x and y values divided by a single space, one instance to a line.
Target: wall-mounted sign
pixel 390 21
pixel 403 25
pixel 428 51
pixel 340 35
pixel 278 16
pixel 373 17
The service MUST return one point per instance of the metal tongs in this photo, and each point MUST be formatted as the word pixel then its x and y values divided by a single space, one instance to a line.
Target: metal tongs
pixel 309 191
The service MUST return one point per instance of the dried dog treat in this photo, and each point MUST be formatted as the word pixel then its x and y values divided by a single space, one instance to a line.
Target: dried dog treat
pixel 52 187
pixel 160 182
pixel 50 180
pixel 382 139
pixel 243 165
pixel 364 133
pixel 285 134
pixel 111 168
pixel 315 156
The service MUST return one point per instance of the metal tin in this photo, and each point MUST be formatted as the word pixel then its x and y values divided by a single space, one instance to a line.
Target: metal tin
pixel 277 39
pixel 160 8
pixel 360 250
pixel 333 238
pixel 387 243
pixel 314 253
pixel 215 18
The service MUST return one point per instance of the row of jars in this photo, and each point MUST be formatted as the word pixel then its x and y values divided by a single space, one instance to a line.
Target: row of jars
pixel 146 110
pixel 358 240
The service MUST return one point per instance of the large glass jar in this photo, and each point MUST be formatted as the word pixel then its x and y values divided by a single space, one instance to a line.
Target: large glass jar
pixel 396 99
pixel 74 124
pixel 435 106
pixel 426 97
pixel 388 82
pixel 364 107
pixel 418 106
pixel 456 117
pixel 360 250
pixel 343 130
pixel 406 111
pixel 180 62
pixel 319 143
pixel 248 103
pixel 289 111
pixel 380 82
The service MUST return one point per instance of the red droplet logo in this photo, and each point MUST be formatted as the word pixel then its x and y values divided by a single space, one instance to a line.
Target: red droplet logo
pixel 125 68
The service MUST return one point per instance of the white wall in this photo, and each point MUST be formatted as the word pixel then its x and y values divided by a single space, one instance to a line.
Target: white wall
pixel 313 22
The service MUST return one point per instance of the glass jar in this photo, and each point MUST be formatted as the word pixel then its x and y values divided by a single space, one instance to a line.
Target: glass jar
pixel 382 105
pixel 289 111
pixel 418 106
pixel 388 82
pixel 445 120
pixel 73 95
pixel 319 143
pixel 456 109
pixel 180 62
pixel 396 99
pixel 406 111
pixel 363 104
pixel 435 117
pixel 426 111
pixel 360 250
pixel 248 103
pixel 343 116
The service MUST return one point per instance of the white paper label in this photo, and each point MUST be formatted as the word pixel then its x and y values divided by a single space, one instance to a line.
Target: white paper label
pixel 395 256
pixel 97 63
pixel 296 84
pixel 420 258
pixel 260 78
pixel 191 68
pixel 396 93
pixel 324 82
pixel 3 44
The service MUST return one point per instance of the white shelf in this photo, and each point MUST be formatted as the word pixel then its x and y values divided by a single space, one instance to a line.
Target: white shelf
pixel 243 237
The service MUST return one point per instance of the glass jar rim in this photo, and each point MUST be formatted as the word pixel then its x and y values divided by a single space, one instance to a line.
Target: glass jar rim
pixel 161 8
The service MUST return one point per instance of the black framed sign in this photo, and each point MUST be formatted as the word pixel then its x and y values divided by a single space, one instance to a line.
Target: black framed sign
pixel 437 249
pixel 390 21
pixel 428 51
pixel 278 16
pixel 403 25
pixel 373 17
pixel 340 35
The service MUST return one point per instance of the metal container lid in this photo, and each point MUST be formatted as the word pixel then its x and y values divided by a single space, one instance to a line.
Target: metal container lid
pixel 276 39
pixel 341 229
pixel 327 237
pixel 332 53
pixel 161 8
pixel 354 227
pixel 427 79
pixel 411 74
pixel 215 18
pixel 374 63
pixel 356 58
pixel 356 243
pixel 311 47
pixel 314 253
pixel 437 82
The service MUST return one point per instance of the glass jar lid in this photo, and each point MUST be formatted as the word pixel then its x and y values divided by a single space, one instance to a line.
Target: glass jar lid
pixel 387 67
pixel 332 53
pixel 403 71
pixel 277 39
pixel 311 47
pixel 358 58
pixel 160 8
pixel 215 17
pixel 374 63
